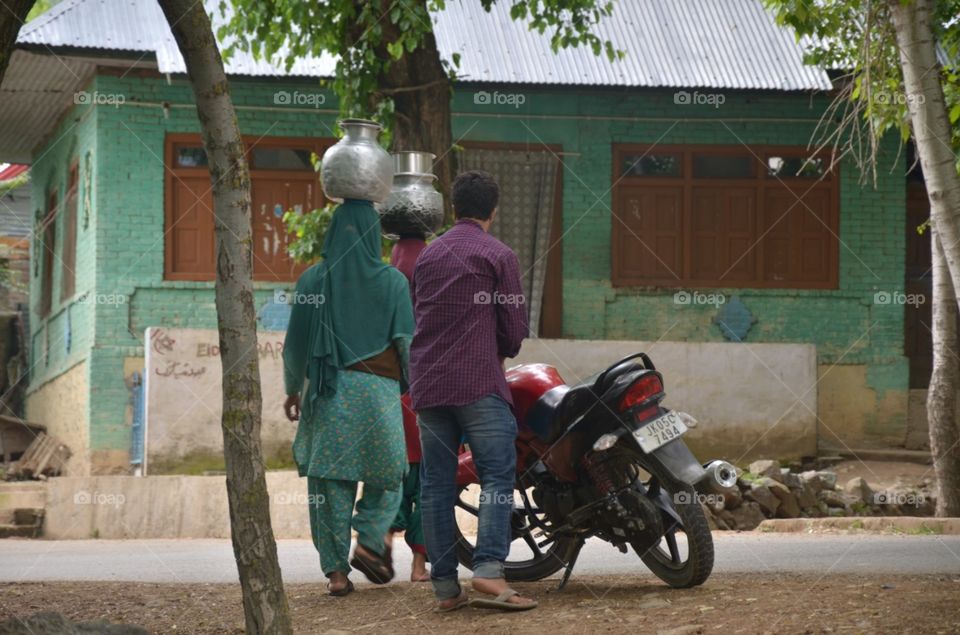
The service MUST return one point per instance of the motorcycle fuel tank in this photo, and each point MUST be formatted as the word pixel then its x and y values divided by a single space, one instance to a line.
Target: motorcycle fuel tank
pixel 527 384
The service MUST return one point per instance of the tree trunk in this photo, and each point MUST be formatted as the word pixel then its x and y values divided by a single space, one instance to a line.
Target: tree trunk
pixel 421 92
pixel 931 132
pixel 264 602
pixel 944 385
pixel 13 13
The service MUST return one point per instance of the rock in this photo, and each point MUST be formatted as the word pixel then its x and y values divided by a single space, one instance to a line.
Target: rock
pixel 652 602
pixel 732 499
pixel 790 479
pixel 812 480
pixel 806 496
pixel 760 493
pixel 766 467
pixel 746 517
pixel 829 479
pixel 833 499
pixel 788 502
pixel 859 490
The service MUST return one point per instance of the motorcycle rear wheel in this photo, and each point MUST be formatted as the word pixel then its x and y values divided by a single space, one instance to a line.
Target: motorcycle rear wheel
pixel 664 559
pixel 541 562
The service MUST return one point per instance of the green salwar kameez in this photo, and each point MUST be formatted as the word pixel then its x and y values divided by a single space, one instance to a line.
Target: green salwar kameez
pixel 356 435
pixel 349 308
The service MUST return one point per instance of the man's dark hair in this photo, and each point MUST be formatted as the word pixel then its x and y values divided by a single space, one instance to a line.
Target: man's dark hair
pixel 475 195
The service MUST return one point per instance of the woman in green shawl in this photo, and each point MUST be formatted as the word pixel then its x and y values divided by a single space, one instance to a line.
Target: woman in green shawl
pixel 344 357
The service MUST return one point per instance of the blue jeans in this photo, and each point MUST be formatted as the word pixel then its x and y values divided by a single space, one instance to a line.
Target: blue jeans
pixel 491 430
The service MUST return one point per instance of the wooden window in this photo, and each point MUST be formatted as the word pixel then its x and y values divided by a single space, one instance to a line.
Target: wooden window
pixel 49 229
pixel 68 278
pixel 723 216
pixel 282 178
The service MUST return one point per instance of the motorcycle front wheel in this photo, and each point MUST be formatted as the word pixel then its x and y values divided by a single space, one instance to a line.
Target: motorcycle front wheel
pixel 528 561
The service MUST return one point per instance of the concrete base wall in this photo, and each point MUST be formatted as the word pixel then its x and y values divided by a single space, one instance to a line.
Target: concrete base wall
pixel 124 507
pixel 61 405
pixel 751 400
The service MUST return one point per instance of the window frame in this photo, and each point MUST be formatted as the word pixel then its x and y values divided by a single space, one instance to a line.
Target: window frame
pixel 173 141
pixel 68 249
pixel 49 230
pixel 761 182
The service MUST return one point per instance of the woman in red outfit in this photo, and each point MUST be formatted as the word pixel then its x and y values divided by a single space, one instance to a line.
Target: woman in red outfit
pixel 404 257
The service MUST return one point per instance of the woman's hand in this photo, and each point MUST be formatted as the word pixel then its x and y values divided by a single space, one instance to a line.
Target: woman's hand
pixel 292 407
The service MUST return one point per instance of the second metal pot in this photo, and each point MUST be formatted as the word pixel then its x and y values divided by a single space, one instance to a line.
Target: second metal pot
pixel 414 206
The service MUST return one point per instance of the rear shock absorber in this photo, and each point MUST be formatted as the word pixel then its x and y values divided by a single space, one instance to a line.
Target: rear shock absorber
pixel 598 474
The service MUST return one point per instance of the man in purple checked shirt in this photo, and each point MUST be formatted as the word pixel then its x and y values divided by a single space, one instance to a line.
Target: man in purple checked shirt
pixel 470 316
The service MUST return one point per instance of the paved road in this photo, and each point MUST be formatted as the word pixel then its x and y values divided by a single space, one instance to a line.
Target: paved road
pixel 212 560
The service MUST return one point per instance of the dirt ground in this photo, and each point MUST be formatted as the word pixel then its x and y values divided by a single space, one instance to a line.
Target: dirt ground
pixel 726 604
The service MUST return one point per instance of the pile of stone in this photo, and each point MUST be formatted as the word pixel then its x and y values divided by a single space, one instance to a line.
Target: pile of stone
pixel 767 490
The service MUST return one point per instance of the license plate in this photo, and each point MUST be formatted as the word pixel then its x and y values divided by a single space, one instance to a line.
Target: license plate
pixel 663 429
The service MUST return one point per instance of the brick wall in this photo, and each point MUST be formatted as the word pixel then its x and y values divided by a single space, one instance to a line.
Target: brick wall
pixel 845 324
pixel 63 341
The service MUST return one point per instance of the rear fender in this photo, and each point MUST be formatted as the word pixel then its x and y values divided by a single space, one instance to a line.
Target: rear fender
pixel 676 460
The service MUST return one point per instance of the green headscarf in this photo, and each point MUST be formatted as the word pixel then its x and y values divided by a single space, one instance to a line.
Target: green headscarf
pixel 350 306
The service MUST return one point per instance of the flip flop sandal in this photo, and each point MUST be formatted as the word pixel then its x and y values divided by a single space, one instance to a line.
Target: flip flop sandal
pixel 501 602
pixel 376 568
pixel 462 601
pixel 339 593
pixel 388 560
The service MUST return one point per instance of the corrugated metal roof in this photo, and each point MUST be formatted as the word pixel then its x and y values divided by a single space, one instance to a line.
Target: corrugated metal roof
pixel 668 43
pixel 37 90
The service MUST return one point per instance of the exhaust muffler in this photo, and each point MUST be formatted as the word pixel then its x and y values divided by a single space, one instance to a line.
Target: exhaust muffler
pixel 720 476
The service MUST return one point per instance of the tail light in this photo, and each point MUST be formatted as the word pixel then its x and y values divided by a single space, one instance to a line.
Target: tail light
pixel 647 386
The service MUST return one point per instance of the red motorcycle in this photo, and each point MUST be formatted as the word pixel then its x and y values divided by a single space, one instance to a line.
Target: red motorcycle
pixel 602 459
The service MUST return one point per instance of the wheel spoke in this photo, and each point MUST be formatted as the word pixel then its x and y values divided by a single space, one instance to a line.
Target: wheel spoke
pixel 671 538
pixel 532 543
pixel 470 509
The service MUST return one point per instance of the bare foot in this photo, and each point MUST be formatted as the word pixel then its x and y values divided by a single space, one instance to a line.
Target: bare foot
pixel 496 586
pixel 419 571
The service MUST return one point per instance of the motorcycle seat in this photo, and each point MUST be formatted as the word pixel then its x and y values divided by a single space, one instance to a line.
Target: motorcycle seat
pixel 560 407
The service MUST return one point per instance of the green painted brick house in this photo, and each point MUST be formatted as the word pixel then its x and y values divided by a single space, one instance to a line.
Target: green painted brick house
pixel 682 169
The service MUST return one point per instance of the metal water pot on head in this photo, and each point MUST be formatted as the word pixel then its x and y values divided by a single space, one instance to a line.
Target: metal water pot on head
pixel 356 166
pixel 414 207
